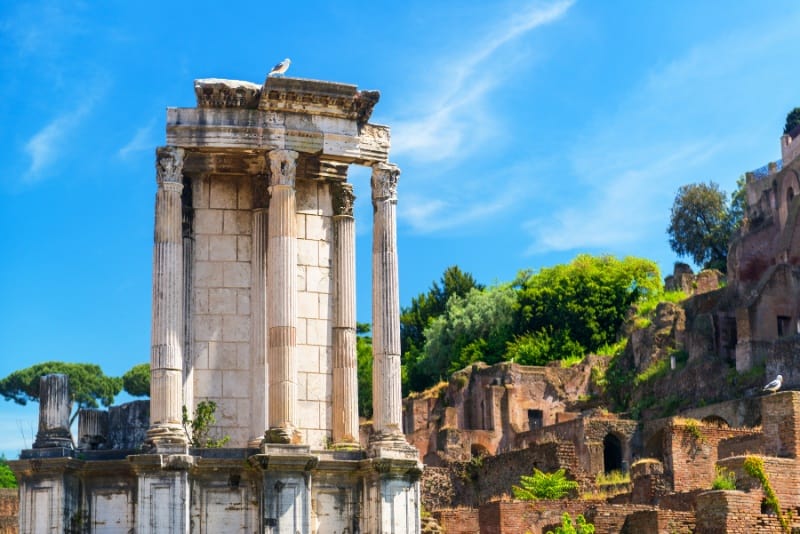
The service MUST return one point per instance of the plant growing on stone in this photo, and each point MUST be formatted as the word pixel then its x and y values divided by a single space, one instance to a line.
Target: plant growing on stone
pixel 542 485
pixel 580 526
pixel 725 479
pixel 754 466
pixel 198 430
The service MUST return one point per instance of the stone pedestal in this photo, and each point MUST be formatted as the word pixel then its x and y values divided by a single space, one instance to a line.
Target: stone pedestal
pixel 49 494
pixel 163 496
pixel 286 499
pixel 392 497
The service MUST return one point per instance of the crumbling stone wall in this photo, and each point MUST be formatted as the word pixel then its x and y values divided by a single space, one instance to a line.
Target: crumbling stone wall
pixel 727 512
pixel 692 451
pixel 458 521
pixel 478 481
pixel 656 521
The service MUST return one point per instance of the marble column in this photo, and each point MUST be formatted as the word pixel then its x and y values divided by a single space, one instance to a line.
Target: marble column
pixel 282 291
pixel 345 378
pixel 54 411
pixel 258 312
pixel 166 433
pixel 386 393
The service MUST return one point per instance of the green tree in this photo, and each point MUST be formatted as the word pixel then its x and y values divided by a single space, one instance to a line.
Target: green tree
pixel 87 384
pixel 424 308
pixel 7 478
pixel 579 304
pixel 474 327
pixel 136 380
pixel 792 120
pixel 542 485
pixel 364 357
pixel 580 526
pixel 702 223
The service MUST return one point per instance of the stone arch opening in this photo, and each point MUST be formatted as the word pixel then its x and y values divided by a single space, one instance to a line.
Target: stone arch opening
pixel 612 453
pixel 715 420
pixel 477 450
pixel 789 196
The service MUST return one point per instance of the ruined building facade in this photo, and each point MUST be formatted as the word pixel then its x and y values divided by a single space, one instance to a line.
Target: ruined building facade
pixel 254 309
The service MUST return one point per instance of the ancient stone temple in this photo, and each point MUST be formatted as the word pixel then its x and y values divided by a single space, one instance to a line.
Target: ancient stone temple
pixel 254 309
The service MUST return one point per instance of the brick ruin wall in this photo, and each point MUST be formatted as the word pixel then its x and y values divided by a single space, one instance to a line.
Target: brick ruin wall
pixel 472 483
pixel 9 511
pixel 692 452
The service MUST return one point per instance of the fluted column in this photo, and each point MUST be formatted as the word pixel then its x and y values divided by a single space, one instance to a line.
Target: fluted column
pixel 282 291
pixel 55 406
pixel 386 392
pixel 345 377
pixel 166 356
pixel 258 310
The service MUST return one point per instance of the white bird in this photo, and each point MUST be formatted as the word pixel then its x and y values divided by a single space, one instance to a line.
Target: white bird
pixel 280 68
pixel 775 385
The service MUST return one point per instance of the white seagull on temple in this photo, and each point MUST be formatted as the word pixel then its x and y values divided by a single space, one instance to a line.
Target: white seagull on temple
pixel 280 68
pixel 775 385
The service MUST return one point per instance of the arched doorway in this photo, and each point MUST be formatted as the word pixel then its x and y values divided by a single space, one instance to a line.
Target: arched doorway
pixel 612 453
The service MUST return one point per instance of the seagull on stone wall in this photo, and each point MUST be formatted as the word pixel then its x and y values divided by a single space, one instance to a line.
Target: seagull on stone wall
pixel 775 385
pixel 280 68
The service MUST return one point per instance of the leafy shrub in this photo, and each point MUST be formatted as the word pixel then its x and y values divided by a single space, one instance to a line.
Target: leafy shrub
pixel 541 485
pixel 580 526
pixel 725 479
pixel 199 429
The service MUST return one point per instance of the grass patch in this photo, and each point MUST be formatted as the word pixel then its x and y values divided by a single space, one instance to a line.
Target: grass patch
pixel 614 478
pixel 656 370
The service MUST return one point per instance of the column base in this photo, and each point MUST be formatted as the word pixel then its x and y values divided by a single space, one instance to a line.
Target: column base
pixel 54 438
pixel 167 439
pixel 283 436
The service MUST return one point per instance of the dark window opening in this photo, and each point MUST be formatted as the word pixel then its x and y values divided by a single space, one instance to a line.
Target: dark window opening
pixel 612 453
pixel 535 419
pixel 783 325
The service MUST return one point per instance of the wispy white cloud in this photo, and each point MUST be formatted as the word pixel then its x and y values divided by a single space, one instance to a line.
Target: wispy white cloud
pixel 51 141
pixel 443 126
pixel 688 121
pixel 142 140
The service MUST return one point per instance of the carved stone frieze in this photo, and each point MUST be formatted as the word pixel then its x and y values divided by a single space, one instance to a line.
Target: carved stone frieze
pixel 218 93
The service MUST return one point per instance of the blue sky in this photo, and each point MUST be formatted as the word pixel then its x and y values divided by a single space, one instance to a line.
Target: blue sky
pixel 526 132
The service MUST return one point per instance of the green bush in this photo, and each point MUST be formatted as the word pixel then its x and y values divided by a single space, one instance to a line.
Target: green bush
pixel 541 485
pixel 725 479
pixel 580 526
pixel 7 478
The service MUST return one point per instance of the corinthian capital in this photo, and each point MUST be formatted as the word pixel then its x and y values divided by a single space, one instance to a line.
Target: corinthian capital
pixel 384 181
pixel 169 164
pixel 282 165
pixel 343 198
